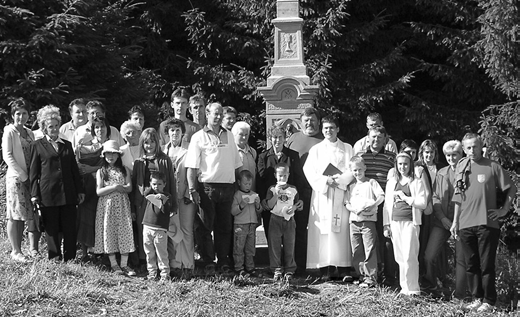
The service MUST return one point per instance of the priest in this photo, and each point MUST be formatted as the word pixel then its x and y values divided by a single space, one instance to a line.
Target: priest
pixel 326 169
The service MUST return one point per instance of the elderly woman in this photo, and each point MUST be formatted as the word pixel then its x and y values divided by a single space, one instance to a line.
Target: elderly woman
pixel 16 151
pixel 443 209
pixel 241 131
pixel 55 185
pixel 183 262
pixel 130 131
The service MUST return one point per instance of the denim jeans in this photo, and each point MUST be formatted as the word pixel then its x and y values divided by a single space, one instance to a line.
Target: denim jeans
pixel 215 213
pixel 363 236
pixel 244 246
pixel 282 233
pixel 480 245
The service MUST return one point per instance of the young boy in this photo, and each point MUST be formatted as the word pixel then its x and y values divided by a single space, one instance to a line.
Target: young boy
pixel 283 200
pixel 155 226
pixel 246 209
pixel 362 199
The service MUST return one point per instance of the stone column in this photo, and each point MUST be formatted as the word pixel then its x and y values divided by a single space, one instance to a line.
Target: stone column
pixel 288 89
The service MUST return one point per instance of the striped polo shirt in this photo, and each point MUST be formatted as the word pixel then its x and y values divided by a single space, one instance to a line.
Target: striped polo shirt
pixel 378 164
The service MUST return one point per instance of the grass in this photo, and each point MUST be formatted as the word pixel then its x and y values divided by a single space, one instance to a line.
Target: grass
pixel 46 288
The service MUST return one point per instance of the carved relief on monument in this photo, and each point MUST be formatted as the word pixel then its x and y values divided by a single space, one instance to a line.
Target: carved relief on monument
pixel 288 45
pixel 304 105
pixel 270 106
pixel 289 94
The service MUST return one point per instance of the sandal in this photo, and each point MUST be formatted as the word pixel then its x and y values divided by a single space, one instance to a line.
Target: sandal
pixel 19 257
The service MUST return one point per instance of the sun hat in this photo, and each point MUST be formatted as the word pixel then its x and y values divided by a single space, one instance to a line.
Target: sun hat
pixel 111 146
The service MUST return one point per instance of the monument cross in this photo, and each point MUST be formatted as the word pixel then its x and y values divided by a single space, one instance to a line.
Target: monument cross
pixel 288 89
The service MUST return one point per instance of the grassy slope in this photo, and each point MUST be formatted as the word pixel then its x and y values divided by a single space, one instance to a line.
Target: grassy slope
pixel 45 288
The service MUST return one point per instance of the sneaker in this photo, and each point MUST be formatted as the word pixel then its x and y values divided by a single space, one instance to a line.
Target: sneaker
pixel 165 279
pixel 116 269
pixel 485 308
pixel 367 283
pixel 288 277
pixel 474 305
pixel 128 271
pixel 252 273
pixel 151 277
pixel 277 276
pixel 242 273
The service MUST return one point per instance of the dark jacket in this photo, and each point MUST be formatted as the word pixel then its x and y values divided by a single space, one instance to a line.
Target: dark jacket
pixel 267 161
pixel 54 176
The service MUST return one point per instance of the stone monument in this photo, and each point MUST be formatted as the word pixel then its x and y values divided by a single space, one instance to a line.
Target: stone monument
pixel 288 89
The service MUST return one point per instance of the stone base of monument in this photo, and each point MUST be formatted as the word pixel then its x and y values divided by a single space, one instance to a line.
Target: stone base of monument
pixel 262 254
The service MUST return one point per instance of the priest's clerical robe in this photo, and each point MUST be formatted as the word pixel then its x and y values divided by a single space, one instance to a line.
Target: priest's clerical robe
pixel 329 229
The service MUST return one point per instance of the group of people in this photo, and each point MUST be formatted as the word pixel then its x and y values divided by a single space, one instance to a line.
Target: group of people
pixel 369 212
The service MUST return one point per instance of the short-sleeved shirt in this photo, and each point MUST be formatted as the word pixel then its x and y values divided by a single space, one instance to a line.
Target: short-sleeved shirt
pixel 67 131
pixel 215 155
pixel 483 179
pixel 359 193
pixel 378 164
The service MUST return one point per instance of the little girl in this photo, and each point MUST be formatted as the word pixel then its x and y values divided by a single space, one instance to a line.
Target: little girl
pixel 113 218
pixel 151 158
pixel 405 198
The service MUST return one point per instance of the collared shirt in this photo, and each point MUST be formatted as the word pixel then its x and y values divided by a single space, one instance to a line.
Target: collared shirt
pixel 67 130
pixel 378 164
pixel 363 144
pixel 54 143
pixel 215 155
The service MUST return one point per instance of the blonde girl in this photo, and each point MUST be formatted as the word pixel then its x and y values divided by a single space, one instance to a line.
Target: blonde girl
pixel 405 198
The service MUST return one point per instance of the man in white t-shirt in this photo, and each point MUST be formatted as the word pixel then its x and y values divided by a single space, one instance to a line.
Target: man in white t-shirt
pixel 212 161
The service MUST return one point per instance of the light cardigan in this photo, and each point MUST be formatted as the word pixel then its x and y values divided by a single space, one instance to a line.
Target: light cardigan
pixel 12 153
pixel 419 200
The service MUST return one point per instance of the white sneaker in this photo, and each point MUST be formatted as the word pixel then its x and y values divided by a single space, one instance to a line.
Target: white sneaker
pixel 474 305
pixel 485 308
